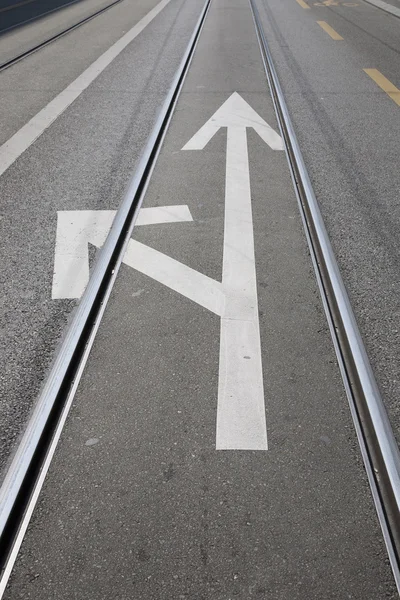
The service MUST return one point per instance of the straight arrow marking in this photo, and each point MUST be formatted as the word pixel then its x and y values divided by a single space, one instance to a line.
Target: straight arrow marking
pixel 241 423
pixel 234 112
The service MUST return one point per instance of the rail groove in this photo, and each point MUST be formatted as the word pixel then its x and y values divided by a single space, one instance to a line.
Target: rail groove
pixel 375 435
pixel 24 479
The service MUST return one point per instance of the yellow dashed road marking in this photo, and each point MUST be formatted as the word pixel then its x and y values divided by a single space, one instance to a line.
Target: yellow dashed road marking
pixel 329 30
pixel 302 3
pixel 335 3
pixel 387 86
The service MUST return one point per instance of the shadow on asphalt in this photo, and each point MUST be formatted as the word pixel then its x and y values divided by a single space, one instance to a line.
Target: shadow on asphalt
pixel 17 12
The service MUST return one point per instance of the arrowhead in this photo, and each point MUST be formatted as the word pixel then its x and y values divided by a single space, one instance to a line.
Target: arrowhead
pixel 235 112
pixel 77 228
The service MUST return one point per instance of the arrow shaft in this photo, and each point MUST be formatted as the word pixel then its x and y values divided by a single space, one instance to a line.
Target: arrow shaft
pixel 241 410
pixel 239 275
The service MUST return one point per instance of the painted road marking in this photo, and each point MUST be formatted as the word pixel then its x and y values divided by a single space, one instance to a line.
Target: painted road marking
pixel 387 86
pixel 241 423
pixel 77 228
pixel 178 277
pixel 24 138
pixel 335 3
pixel 164 214
pixel 241 409
pixel 329 30
pixel 302 4
pixel 389 8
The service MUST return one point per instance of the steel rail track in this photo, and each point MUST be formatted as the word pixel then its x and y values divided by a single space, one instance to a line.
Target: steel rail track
pixel 375 435
pixel 25 476
pixel 9 63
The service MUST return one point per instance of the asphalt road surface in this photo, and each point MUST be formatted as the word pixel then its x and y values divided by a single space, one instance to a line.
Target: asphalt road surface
pixel 83 161
pixel 349 131
pixel 155 490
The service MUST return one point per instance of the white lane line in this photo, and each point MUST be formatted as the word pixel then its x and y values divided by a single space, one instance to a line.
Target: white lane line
pixel 77 228
pixel 20 141
pixel 178 277
pixel 393 10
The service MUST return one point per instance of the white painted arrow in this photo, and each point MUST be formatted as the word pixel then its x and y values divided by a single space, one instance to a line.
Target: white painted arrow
pixel 241 421
pixel 77 228
pixel 241 409
pixel 235 113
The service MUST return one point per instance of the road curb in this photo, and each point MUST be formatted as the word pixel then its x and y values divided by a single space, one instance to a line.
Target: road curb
pixel 393 10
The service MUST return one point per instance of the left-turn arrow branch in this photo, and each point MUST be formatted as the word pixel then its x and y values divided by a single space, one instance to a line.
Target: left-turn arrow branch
pixel 76 229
